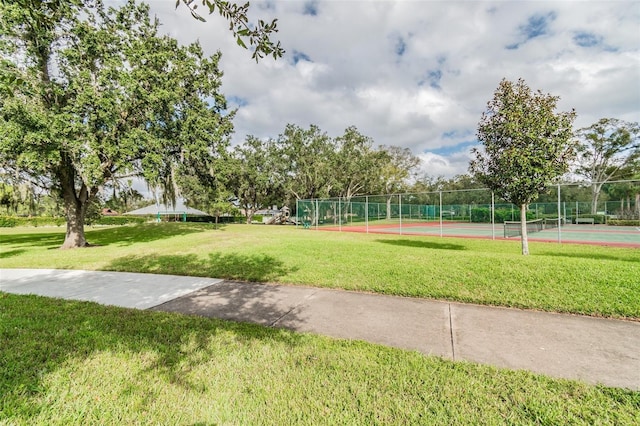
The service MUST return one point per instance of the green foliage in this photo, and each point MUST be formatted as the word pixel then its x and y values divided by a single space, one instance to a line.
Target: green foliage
pixel 397 165
pixel 623 222
pixel 526 144
pixel 308 164
pixel 251 175
pixel 31 221
pixel 97 94
pixel 357 164
pixel 8 222
pixel 608 149
pixel 483 215
pixel 257 34
pixel 120 220
pixel 307 160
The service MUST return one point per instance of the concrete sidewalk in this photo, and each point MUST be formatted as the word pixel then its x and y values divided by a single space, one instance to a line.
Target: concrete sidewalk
pixel 593 350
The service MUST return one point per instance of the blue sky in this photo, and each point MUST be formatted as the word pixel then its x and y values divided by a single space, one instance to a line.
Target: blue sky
pixel 418 74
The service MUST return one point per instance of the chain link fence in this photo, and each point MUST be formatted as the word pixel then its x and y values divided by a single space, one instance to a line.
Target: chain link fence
pixel 612 205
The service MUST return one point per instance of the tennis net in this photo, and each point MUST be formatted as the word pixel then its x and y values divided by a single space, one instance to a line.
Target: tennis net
pixel 514 229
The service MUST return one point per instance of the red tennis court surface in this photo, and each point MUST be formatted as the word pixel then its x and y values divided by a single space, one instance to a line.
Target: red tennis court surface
pixel 619 236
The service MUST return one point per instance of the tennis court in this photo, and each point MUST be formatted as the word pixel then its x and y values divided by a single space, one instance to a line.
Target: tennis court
pixel 620 236
pixel 564 213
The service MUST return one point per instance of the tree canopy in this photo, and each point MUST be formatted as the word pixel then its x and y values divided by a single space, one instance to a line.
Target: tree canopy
pixel 607 150
pixel 308 163
pixel 526 145
pixel 91 95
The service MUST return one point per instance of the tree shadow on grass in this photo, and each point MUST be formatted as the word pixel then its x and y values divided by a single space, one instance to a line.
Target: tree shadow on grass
pixel 255 268
pixel 40 335
pixel 147 232
pixel 11 253
pixel 627 256
pixel 121 235
pixel 423 244
pixel 44 239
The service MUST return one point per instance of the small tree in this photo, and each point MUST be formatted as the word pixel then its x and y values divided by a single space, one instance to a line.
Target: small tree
pixel 608 150
pixel 526 146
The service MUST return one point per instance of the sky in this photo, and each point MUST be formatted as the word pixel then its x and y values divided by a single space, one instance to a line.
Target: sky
pixel 418 74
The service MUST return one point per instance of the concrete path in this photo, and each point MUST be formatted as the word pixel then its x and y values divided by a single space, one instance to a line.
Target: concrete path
pixel 593 350
pixel 141 291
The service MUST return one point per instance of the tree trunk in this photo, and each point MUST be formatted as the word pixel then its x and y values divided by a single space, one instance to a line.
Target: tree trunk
pixel 75 210
pixel 595 194
pixel 523 224
pixel 388 207
pixel 249 215
pixel 75 206
pixel 74 237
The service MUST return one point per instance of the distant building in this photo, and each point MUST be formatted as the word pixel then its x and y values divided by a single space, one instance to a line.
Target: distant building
pixel 109 212
pixel 179 212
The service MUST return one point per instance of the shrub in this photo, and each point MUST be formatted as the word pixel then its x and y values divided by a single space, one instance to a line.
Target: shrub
pixel 623 222
pixel 7 222
pixel 483 215
pixel 10 221
pixel 118 220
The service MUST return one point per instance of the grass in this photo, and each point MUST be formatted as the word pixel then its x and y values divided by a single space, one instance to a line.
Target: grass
pixel 67 362
pixel 582 279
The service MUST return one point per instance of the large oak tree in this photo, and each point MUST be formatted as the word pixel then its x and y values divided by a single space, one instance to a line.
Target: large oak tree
pixel 89 95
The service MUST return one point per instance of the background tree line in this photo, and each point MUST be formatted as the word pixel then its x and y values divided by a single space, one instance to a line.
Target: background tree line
pixel 307 163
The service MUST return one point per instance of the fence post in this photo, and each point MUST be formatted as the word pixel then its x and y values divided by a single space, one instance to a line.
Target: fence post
pixel 366 213
pixel 440 213
pixel 493 216
pixel 559 218
pixel 400 212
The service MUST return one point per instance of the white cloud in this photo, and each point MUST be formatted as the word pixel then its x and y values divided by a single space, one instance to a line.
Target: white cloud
pixel 419 73
pixel 444 165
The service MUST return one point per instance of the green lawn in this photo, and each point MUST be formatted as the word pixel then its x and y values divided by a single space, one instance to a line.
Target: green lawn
pixel 592 280
pixel 66 362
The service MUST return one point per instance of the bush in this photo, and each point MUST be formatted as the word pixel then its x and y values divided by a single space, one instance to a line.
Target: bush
pixel 7 222
pixel 10 222
pixel 118 220
pixel 623 222
pixel 483 215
